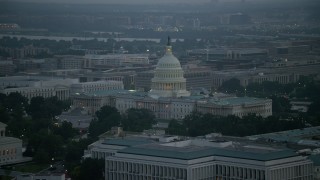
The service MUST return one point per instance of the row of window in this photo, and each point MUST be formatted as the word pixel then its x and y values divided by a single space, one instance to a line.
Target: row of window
pixel 8 151
pixel 300 171
pixel 145 169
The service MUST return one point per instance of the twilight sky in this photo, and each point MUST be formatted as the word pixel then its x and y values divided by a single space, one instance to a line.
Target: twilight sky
pixel 159 1
pixel 113 1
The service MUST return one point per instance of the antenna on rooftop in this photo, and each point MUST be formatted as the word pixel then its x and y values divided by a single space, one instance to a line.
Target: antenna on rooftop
pixel 169 41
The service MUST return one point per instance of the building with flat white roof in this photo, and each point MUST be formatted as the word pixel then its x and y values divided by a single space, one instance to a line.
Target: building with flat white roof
pixel 62 92
pixel 192 159
pixel 69 61
pixel 33 86
pixel 34 81
pixel 228 53
pixel 238 106
pixel 88 87
pixel 114 60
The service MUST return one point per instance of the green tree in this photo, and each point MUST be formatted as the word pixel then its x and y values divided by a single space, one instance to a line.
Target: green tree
pixel 5 116
pixel 138 120
pixel 15 104
pixel 191 121
pixel 74 149
pixel 176 128
pixel 89 169
pixel 45 107
pixel 42 140
pixel 232 86
pixel 198 124
pixel 41 156
pixel 280 104
pixel 12 112
pixel 65 130
pixel 107 117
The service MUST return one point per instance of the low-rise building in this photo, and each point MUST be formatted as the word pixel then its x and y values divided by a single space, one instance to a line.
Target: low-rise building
pixel 62 92
pixel 227 53
pixel 172 157
pixel 203 159
pixel 93 61
pixel 7 68
pixel 79 118
pixel 26 51
pixel 253 76
pixel 88 87
pixel 10 148
pixel 127 77
pixel 69 61
pixel 92 102
pixel 238 106
pixel 33 86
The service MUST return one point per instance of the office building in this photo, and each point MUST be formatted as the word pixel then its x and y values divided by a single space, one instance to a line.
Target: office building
pixel 7 68
pixel 70 62
pixel 171 157
pixel 33 86
pixel 88 87
pixel 204 159
pixel 93 61
pixel 10 148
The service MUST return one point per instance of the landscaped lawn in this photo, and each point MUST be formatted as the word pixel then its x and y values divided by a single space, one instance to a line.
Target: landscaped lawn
pixel 30 167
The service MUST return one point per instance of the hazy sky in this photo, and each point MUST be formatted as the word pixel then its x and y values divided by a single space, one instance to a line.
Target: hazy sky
pixel 136 1
pixel 156 1
pixel 113 1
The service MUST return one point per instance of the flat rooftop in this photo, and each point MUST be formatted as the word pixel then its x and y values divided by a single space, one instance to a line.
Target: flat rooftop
pixel 236 101
pixel 191 151
pixel 290 135
pixel 128 142
pixel 194 149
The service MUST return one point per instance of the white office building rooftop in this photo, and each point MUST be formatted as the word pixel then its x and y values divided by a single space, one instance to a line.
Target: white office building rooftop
pixel 195 159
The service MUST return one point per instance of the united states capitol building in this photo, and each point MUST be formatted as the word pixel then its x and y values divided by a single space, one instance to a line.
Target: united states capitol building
pixel 169 98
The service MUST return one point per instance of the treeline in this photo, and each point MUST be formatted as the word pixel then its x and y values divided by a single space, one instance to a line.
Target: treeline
pixel 63 47
pixel 198 124
pixel 35 123
pixel 45 138
pixel 306 89
pixel 135 120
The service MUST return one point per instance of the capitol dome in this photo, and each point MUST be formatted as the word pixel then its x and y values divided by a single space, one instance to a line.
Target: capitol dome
pixel 168 60
pixel 168 78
